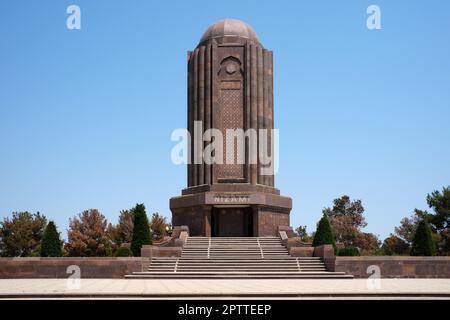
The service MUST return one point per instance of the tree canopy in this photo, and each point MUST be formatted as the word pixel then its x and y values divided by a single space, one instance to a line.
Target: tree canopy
pixel 123 231
pixel 347 220
pixel 21 235
pixel 438 220
pixel 87 235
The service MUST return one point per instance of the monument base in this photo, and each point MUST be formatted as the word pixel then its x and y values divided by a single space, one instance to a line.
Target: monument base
pixel 231 210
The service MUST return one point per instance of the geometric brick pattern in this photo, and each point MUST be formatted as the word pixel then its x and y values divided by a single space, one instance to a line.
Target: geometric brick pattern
pixel 232 110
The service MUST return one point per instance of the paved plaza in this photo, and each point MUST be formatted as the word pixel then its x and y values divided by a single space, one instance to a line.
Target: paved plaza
pixel 216 288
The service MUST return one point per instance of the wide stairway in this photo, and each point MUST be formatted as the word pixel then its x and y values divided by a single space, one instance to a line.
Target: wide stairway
pixel 236 257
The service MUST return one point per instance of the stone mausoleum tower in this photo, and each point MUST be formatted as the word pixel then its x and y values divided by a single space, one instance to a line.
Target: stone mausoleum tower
pixel 230 86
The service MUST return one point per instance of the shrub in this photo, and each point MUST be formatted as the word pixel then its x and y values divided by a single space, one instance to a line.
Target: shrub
pixel 323 233
pixel 51 245
pixel 141 230
pixel 348 251
pixel 123 252
pixel 423 244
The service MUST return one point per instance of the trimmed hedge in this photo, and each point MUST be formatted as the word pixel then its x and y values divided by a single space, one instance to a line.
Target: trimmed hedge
pixel 349 251
pixel 141 230
pixel 423 244
pixel 51 245
pixel 124 252
pixel 324 235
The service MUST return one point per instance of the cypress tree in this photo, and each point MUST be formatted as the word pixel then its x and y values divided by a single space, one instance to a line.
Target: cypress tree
pixel 324 235
pixel 51 245
pixel 423 244
pixel 141 230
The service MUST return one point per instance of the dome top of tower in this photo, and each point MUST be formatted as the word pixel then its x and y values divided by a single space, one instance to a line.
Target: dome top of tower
pixel 229 28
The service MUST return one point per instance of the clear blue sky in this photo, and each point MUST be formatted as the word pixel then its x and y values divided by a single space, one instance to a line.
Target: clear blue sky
pixel 86 116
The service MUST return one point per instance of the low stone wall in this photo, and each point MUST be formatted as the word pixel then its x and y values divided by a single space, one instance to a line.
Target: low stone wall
pixel 390 267
pixel 149 251
pixel 301 251
pixel 58 267
pixel 394 267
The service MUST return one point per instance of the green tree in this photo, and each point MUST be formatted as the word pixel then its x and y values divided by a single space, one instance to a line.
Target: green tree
pixel 394 245
pixel 21 235
pixel 141 230
pixel 408 226
pixel 158 226
pixel 123 231
pixel 324 235
pixel 423 244
pixel 88 236
pixel 440 219
pixel 301 233
pixel 51 245
pixel 346 219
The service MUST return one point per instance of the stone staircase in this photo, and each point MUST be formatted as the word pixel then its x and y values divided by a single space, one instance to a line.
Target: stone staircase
pixel 236 257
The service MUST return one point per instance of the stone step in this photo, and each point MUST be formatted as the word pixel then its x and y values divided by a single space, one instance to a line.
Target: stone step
pixel 236 253
pixel 236 257
pixel 239 257
pixel 283 258
pixel 222 238
pixel 215 271
pixel 232 268
pixel 227 259
pixel 294 263
pixel 241 272
pixel 256 268
pixel 184 275
pixel 256 261
pixel 238 267
pixel 237 275
pixel 234 249
pixel 237 263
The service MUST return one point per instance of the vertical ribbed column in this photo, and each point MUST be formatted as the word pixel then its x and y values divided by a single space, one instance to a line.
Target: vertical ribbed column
pixel 266 111
pixel 195 115
pixel 207 121
pixel 260 103
pixel 247 85
pixel 190 118
pixel 270 113
pixel 214 97
pixel 201 109
pixel 254 107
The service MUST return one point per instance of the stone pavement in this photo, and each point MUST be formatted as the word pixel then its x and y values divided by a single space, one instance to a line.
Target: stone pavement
pixel 217 288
